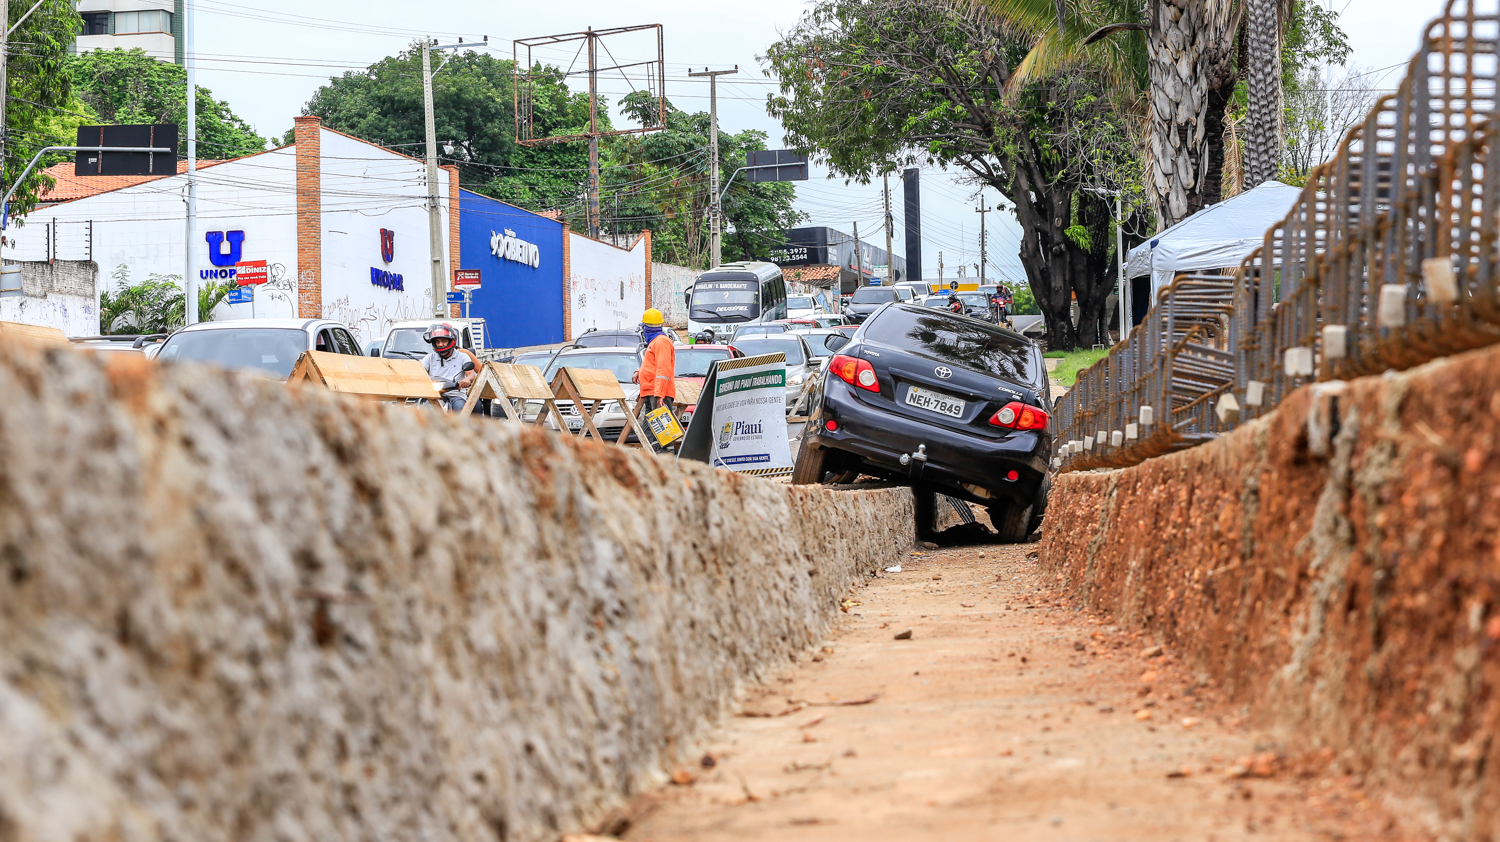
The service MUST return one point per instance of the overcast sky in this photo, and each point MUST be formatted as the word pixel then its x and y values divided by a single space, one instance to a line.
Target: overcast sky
pixel 266 59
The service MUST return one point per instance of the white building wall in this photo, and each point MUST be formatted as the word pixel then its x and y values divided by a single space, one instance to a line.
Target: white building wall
pixel 606 285
pixel 669 283
pixel 365 189
pixel 142 228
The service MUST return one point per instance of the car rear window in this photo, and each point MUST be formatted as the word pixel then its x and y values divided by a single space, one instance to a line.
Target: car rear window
pixel 874 295
pixel 958 341
pixel 770 345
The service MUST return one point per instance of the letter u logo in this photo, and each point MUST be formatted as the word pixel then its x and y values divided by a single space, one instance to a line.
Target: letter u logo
pixel 216 254
pixel 387 245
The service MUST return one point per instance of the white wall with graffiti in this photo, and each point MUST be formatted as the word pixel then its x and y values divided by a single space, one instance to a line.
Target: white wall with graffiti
pixel 606 285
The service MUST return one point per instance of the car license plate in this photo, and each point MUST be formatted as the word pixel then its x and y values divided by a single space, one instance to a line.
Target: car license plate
pixel 934 402
pixel 575 423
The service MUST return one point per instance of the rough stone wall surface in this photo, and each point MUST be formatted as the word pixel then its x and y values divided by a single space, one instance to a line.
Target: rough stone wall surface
pixel 59 277
pixel 233 611
pixel 1335 565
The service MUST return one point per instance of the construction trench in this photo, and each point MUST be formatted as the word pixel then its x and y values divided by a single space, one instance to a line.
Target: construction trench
pixel 230 610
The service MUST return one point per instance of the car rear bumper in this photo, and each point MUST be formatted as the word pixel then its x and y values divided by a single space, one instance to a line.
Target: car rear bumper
pixel 954 459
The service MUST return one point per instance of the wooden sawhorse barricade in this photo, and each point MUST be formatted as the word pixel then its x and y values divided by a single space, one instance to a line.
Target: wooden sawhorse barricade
pixel 367 377
pixel 511 387
pixel 591 391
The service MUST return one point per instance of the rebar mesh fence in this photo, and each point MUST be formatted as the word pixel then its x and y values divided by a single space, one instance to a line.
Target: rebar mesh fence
pixel 1387 260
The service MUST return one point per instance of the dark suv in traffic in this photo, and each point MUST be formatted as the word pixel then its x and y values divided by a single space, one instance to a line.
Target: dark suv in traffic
pixel 867 300
pixel 941 402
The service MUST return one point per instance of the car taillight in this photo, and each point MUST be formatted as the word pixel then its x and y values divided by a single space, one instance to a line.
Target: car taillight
pixel 855 372
pixel 1019 416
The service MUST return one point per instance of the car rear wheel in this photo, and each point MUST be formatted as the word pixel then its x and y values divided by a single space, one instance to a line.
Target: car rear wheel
pixel 817 465
pixel 1011 520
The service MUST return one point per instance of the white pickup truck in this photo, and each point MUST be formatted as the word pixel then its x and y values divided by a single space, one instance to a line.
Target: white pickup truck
pixel 403 340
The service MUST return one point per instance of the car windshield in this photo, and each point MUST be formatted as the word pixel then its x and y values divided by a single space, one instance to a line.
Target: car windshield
pixel 624 366
pixel 935 301
pixel 963 342
pixel 815 342
pixel 725 301
pixel 406 342
pixel 874 295
pixel 695 363
pixel 799 302
pixel 974 299
pixel 608 339
pixel 771 344
pixel 270 350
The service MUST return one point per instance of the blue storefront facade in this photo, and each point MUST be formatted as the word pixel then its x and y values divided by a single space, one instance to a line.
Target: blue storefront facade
pixel 520 258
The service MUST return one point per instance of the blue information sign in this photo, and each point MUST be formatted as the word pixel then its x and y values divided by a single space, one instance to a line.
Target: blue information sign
pixel 240 295
pixel 455 298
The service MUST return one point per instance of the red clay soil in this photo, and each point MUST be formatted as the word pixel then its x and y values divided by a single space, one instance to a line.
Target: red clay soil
pixel 1342 584
pixel 1006 715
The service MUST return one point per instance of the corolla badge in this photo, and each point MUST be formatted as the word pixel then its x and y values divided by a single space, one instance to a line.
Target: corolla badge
pixel 943 372
pixel 726 434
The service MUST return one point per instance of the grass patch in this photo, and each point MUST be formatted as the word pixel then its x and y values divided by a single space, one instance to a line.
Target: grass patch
pixel 1072 363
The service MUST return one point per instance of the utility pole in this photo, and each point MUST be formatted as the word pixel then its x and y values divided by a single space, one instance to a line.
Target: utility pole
pixel 983 256
pixel 890 256
pixel 4 95
pixel 715 211
pixel 1123 294
pixel 189 250
pixel 940 270
pixel 859 263
pixel 434 204
pixel 593 207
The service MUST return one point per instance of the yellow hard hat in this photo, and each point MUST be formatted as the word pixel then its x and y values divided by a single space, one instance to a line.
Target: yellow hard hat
pixel 652 317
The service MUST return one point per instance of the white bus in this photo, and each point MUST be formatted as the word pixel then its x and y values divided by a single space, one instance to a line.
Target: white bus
pixel 734 294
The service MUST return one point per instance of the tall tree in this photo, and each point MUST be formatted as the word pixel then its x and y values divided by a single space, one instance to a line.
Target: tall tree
pixel 129 86
pixel 474 113
pixel 1263 86
pixel 873 85
pixel 37 90
pixel 660 181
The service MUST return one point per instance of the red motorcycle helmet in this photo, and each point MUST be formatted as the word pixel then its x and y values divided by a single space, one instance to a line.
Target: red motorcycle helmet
pixel 440 337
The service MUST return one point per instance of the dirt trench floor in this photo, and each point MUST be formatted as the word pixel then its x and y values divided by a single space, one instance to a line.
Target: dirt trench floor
pixel 1006 712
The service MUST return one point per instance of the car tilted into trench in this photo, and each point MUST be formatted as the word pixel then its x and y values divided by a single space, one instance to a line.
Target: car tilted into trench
pixel 941 402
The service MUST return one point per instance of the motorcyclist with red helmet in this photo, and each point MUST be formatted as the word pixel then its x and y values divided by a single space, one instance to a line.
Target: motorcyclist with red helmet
pixel 445 363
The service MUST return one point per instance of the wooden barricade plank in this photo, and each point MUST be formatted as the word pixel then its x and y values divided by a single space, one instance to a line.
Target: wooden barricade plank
pixel 36 334
pixel 504 382
pixel 597 389
pixel 376 378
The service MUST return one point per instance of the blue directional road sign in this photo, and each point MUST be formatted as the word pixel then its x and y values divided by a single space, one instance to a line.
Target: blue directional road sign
pixel 240 295
pixel 455 298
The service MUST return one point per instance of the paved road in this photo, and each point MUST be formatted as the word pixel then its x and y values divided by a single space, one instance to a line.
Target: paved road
pixel 1023 322
pixel 1007 715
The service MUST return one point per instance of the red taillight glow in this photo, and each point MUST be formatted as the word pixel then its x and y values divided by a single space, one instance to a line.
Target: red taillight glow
pixel 855 372
pixel 1013 475
pixel 1019 416
pixel 832 425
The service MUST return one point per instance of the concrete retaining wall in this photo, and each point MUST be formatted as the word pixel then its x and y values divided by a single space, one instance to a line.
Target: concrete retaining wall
pixel 1336 566
pixel 228 611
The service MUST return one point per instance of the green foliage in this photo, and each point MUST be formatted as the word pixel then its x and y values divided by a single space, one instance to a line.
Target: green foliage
pixel 660 181
pixel 155 305
pixel 1073 363
pixel 1079 234
pixel 129 86
pixel 36 88
pixel 474 112
pixel 1023 303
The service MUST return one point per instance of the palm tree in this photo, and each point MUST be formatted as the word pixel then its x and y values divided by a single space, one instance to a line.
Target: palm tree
pixel 1262 135
pixel 1189 48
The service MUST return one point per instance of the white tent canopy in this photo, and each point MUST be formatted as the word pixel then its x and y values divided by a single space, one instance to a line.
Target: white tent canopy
pixel 1217 237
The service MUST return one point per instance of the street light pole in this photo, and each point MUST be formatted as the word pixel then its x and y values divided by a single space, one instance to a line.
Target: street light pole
pixel 434 207
pixel 890 256
pixel 983 255
pixel 715 210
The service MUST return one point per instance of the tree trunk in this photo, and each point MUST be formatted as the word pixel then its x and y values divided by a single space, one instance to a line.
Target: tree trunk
pixel 1190 48
pixel 1262 133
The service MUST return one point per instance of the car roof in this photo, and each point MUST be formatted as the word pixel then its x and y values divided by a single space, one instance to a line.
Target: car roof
pixel 702 347
pixel 293 324
pixel 599 349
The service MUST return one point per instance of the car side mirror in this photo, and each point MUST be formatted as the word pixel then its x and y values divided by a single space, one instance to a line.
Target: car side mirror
pixel 468 366
pixel 835 342
pixel 374 352
pixel 1055 401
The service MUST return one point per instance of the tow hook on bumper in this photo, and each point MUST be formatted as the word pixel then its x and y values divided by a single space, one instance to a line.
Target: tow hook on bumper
pixel 915 462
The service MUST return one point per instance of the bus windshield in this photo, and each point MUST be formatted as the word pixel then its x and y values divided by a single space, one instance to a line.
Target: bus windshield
pixel 725 301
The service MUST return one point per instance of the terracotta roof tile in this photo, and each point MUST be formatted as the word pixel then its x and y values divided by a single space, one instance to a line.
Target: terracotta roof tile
pixel 812 273
pixel 70 186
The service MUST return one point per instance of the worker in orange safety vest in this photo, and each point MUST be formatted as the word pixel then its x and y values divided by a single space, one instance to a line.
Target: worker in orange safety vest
pixel 658 373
